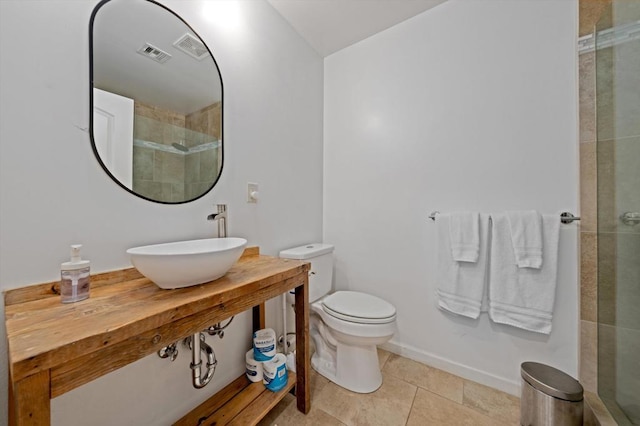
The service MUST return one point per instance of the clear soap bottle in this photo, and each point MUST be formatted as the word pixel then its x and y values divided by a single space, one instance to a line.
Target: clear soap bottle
pixel 74 283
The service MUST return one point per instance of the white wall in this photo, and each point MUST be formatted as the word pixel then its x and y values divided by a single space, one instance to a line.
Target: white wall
pixel 468 106
pixel 53 192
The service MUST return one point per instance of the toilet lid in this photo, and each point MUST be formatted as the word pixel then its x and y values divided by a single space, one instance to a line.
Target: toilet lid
pixel 359 307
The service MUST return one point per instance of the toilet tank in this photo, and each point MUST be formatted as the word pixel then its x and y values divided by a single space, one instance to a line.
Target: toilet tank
pixel 321 258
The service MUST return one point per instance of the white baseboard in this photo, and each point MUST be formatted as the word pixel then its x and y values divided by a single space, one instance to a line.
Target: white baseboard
pixel 461 370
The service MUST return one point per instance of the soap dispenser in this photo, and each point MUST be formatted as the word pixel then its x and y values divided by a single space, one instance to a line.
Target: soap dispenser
pixel 74 284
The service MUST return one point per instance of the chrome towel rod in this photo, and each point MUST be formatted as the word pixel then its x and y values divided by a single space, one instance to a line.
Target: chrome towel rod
pixel 565 217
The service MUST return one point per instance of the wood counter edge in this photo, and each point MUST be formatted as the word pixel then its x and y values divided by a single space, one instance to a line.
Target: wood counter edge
pixel 51 289
pixel 21 367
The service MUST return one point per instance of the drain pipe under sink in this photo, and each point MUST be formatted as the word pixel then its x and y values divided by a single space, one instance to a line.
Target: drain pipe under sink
pixel 198 343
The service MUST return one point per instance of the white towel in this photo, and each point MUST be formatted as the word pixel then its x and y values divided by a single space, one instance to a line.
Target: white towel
pixel 464 230
pixel 460 284
pixel 523 297
pixel 526 237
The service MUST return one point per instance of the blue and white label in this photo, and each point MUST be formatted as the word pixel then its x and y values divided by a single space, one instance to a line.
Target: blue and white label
pixel 264 344
pixel 275 373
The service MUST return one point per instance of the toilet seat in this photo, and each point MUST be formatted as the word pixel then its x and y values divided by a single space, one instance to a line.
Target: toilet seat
pixel 361 308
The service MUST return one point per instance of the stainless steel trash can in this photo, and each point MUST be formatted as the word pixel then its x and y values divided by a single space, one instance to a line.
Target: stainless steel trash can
pixel 550 397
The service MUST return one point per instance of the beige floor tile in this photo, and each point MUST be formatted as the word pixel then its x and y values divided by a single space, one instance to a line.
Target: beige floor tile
pixel 388 406
pixel 282 411
pixel 429 378
pixel 316 383
pixel 292 417
pixel 272 417
pixel 403 399
pixel 383 356
pixel 492 402
pixel 431 409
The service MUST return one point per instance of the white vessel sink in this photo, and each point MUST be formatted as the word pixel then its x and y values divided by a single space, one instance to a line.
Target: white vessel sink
pixel 187 263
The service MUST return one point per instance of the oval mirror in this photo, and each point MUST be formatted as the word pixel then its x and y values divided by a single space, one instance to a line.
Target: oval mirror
pixel 156 102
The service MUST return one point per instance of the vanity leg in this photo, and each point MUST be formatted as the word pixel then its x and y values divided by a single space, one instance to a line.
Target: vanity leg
pixel 11 403
pixel 259 317
pixel 31 403
pixel 303 364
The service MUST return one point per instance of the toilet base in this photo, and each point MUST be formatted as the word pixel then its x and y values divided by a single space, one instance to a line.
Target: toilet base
pixel 355 368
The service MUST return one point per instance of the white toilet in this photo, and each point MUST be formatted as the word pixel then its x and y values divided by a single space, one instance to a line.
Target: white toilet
pixel 346 326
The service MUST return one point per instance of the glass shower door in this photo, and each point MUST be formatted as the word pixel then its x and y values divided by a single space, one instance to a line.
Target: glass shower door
pixel 618 151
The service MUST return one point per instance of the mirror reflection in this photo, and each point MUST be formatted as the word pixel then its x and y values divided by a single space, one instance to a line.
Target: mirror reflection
pixel 156 102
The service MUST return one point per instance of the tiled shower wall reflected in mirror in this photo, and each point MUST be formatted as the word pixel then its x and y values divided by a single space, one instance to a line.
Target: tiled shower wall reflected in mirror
pixel 175 157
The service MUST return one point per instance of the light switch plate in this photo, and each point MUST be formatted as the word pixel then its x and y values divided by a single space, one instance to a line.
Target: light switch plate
pixel 252 192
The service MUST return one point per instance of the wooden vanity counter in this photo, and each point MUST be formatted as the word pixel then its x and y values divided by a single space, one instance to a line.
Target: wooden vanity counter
pixel 54 347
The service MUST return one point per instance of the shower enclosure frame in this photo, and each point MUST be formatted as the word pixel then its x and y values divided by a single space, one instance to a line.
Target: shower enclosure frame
pixel 617 53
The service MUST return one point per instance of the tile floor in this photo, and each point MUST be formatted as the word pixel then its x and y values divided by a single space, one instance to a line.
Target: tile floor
pixel 411 394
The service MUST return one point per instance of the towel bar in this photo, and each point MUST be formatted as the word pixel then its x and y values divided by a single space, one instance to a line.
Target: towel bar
pixel 565 217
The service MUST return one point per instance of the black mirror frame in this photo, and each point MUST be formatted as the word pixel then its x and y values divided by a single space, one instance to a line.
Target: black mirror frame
pixel 91 87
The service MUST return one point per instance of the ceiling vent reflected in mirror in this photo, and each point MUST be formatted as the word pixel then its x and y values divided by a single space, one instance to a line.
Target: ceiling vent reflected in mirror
pixel 192 46
pixel 152 52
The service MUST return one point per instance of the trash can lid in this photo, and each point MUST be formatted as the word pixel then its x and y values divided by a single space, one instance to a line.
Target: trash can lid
pixel 551 381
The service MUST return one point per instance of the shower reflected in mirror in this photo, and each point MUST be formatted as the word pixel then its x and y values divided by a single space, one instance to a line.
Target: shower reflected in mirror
pixel 156 101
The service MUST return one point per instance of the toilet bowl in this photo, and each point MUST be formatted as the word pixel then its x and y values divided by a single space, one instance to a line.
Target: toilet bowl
pixel 346 326
pixel 346 340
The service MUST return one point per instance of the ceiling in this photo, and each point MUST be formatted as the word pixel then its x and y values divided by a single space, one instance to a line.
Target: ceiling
pixel 331 25
pixel 122 27
pixel 182 84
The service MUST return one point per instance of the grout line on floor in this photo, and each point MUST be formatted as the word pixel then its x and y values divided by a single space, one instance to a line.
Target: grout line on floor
pixel 413 401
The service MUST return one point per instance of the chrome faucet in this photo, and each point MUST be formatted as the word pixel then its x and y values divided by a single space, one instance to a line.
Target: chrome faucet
pixel 221 217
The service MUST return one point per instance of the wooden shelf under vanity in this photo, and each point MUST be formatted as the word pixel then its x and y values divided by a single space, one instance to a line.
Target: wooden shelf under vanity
pixel 241 403
pixel 128 317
